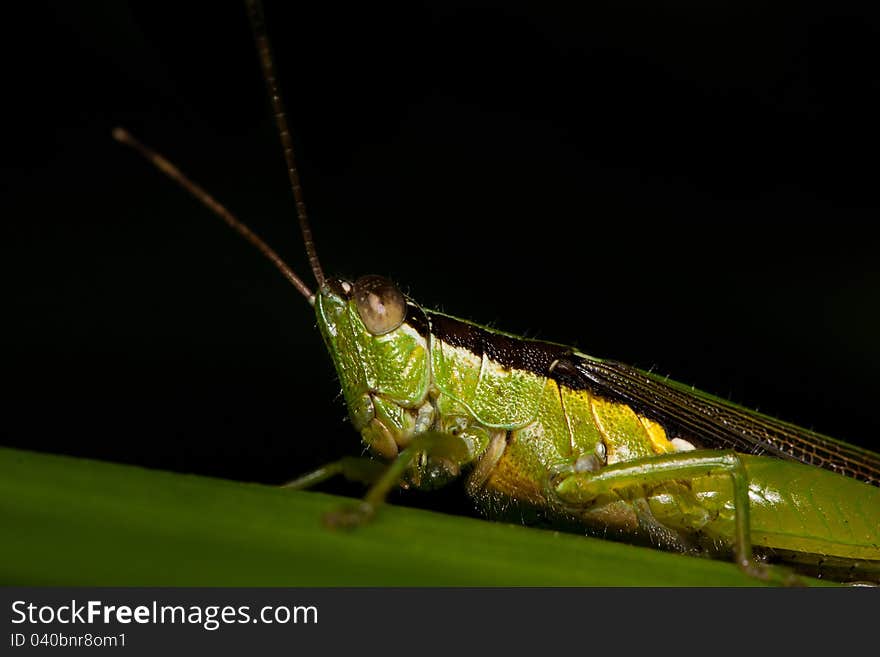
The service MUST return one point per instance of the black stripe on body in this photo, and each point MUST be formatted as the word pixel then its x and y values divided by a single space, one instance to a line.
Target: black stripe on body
pixel 416 318
pixel 508 351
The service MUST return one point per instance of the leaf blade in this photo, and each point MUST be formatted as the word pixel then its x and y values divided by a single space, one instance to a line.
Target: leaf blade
pixel 71 521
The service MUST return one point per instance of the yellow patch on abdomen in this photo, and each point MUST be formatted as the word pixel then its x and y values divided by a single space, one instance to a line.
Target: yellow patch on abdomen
pixel 657 435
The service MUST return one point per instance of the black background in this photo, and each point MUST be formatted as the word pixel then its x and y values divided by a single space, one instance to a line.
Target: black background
pixel 690 189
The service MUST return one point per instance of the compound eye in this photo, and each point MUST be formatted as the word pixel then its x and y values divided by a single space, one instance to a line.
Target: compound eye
pixel 380 304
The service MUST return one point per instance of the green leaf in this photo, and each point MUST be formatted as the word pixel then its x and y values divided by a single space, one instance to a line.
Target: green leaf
pixel 70 521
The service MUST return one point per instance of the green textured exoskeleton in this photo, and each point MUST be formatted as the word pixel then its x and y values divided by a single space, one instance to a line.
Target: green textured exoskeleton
pixel 539 426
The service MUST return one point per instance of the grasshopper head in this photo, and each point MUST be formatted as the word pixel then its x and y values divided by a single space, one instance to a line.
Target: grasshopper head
pixel 378 341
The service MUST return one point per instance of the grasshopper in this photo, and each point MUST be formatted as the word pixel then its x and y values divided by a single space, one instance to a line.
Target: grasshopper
pixel 539 428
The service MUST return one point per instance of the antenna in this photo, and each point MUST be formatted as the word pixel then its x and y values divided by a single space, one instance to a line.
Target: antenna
pixel 121 135
pixel 258 25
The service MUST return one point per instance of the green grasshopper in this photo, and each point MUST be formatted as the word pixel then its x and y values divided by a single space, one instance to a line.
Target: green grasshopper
pixel 540 428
